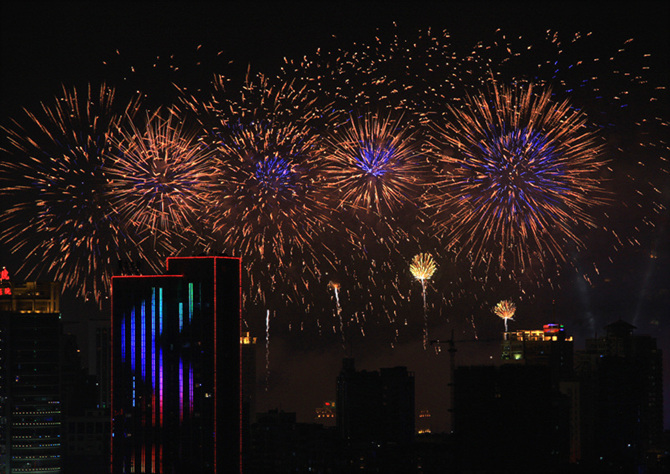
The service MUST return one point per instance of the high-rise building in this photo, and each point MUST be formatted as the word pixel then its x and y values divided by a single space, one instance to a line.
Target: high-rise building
pixel 375 405
pixel 176 368
pixel 622 396
pixel 30 396
pixel 248 367
pixel 326 414
pixel 549 346
pixel 510 419
pixel 95 345
pixel 424 422
pixel 375 417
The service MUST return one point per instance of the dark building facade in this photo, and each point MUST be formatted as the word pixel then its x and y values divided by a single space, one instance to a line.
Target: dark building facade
pixel 248 361
pixel 375 406
pixel 176 369
pixel 550 408
pixel 549 346
pixel 86 442
pixel 30 385
pixel 510 419
pixel 375 417
pixel 279 444
pixel 622 397
pixel 552 348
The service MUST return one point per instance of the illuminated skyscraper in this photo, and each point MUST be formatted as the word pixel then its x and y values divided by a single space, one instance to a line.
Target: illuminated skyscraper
pixel 176 376
pixel 30 394
pixel 549 346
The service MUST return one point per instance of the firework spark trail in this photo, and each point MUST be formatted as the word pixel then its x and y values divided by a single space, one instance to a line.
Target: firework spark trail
pixel 422 268
pixel 63 223
pixel 415 74
pixel 474 327
pixel 523 175
pixel 336 290
pixel 159 175
pixel 505 310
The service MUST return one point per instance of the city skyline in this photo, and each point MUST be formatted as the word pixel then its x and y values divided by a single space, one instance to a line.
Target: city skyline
pixel 306 350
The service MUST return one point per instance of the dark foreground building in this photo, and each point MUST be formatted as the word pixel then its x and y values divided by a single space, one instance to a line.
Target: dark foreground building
pixel 176 378
pixel 622 399
pixel 510 419
pixel 551 409
pixel 375 418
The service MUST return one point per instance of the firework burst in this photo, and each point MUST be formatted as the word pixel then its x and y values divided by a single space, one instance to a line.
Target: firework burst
pixel 159 176
pixel 422 268
pixel 522 175
pixel 505 310
pixel 375 164
pixel 62 222
pixel 268 201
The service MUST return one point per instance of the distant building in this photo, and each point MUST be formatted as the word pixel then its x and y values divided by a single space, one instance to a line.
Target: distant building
pixel 424 426
pixel 248 361
pixel 176 368
pixel 30 385
pixel 98 348
pixel 622 399
pixel 375 406
pixel 79 397
pixel 248 353
pixel 86 443
pixel 326 414
pixel 281 444
pixel 29 297
pixel 375 417
pixel 549 346
pixel 510 418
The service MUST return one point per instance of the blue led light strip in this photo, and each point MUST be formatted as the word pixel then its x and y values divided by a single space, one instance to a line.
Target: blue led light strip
pixel 143 341
pixel 190 302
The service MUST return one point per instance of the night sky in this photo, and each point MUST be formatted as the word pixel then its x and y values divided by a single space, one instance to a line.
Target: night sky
pixel 132 46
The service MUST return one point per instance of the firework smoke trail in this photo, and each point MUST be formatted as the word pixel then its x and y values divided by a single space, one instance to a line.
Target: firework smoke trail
pixel 505 309
pixel 62 220
pixel 523 175
pixel 336 289
pixel 159 176
pixel 422 268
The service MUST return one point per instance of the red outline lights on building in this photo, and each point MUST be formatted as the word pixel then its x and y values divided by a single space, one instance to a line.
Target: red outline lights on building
pixel 4 276
pixel 553 328
pixel 184 342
